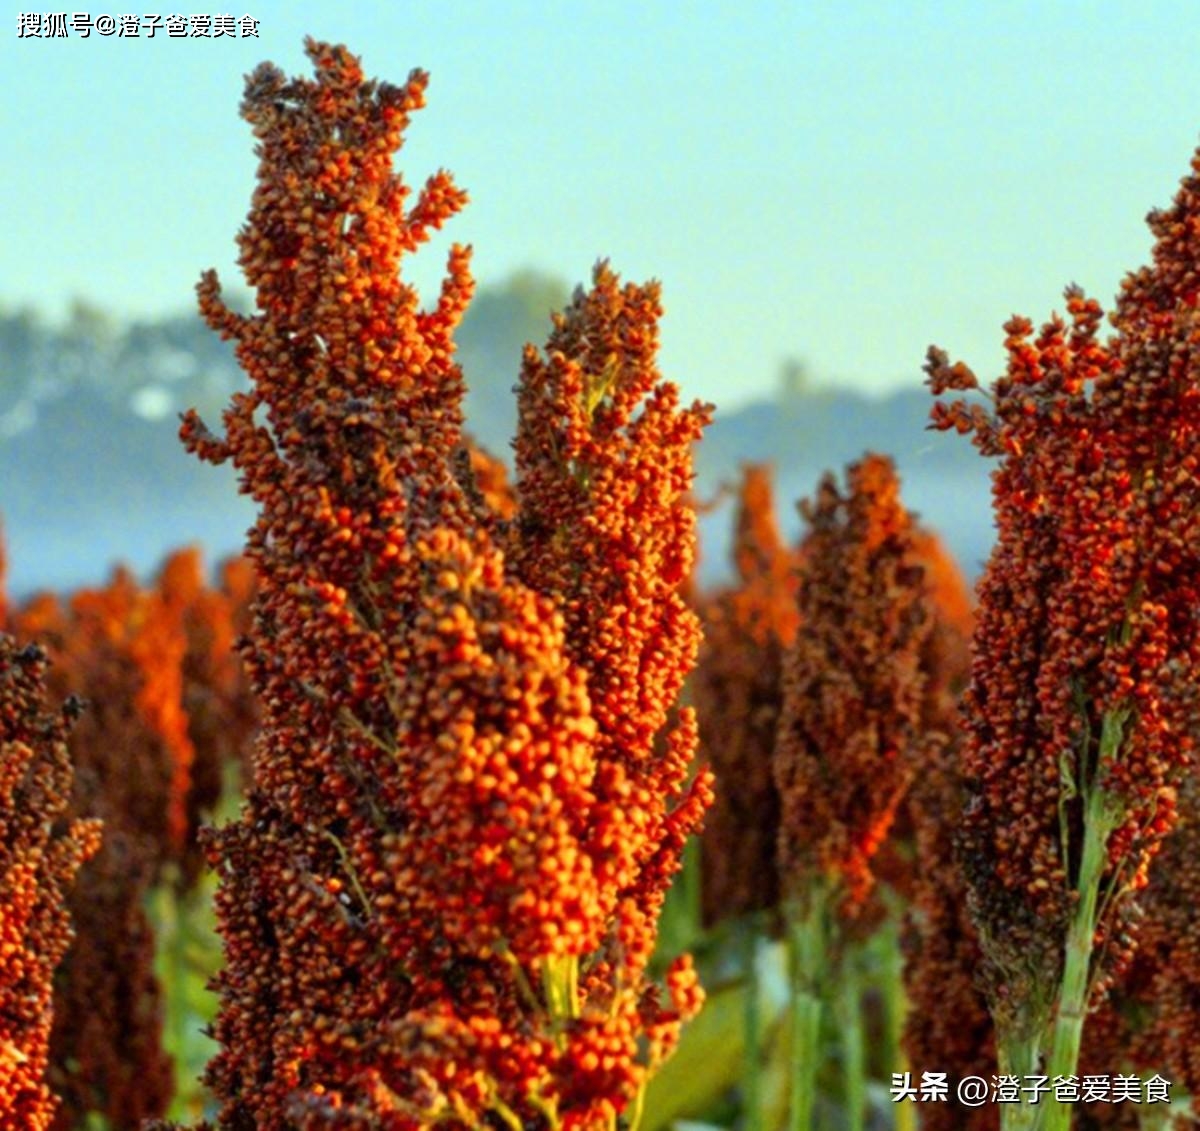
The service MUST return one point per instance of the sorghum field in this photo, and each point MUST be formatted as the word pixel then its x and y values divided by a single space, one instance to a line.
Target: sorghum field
pixel 456 803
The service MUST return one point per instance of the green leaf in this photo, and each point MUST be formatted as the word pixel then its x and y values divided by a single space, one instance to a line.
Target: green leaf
pixel 708 1061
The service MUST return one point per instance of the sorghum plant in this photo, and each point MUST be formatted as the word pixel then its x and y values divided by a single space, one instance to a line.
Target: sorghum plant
pixel 947 1025
pixel 1082 709
pixel 106 1044
pixel 121 648
pixel 749 627
pixel 736 691
pixel 736 688
pixel 164 699
pixel 439 901
pixel 217 700
pixel 850 734
pixel 607 530
pixel 40 852
pixel 850 739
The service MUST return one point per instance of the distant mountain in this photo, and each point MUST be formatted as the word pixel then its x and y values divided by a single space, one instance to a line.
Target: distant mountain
pixel 91 468
pixel 92 471
pixel 805 434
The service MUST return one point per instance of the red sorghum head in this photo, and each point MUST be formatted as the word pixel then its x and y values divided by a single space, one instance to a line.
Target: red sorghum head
pixel 737 692
pixel 851 735
pixel 1088 621
pixel 439 901
pixel 40 852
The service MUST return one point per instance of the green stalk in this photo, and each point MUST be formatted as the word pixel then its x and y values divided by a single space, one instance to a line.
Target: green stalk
pixel 1102 815
pixel 1018 1056
pixel 170 967
pixel 691 878
pixel 806 1044
pixel 560 987
pixel 849 1018
pixel 752 1100
pixel 637 1109
pixel 1073 993
pixel 808 936
pixel 895 1006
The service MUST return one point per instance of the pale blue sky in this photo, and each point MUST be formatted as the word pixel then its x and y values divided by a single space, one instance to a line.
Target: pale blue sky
pixel 844 182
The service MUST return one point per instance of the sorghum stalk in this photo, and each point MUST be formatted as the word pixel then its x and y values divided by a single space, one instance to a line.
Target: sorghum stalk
pixel 895 1008
pixel 847 1012
pixel 752 1023
pixel 1102 816
pixel 808 941
pixel 1019 1055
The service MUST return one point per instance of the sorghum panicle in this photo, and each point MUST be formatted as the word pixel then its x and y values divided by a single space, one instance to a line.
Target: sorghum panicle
pixel 217 701
pixel 1089 605
pixel 606 529
pixel 439 900
pixel 851 735
pixel 122 649
pixel 40 852
pixel 736 689
pixel 107 1054
pixel 1149 1022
